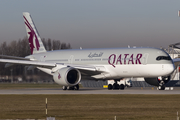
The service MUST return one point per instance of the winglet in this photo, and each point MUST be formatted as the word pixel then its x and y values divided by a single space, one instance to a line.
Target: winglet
pixel 35 41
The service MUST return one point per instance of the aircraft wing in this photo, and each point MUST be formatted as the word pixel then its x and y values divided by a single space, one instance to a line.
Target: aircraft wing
pixel 89 69
pixel 54 66
pixel 83 67
pixel 14 57
pixel 25 62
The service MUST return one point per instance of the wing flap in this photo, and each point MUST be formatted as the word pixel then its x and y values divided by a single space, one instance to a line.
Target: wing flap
pixel 85 67
pixel 89 70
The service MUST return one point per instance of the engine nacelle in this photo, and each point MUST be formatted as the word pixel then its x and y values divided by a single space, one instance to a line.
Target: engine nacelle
pixel 67 76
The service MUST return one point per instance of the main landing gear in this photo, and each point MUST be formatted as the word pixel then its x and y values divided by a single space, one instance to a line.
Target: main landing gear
pixel 76 87
pixel 116 86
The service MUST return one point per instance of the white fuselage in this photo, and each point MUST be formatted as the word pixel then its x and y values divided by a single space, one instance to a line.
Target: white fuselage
pixel 117 63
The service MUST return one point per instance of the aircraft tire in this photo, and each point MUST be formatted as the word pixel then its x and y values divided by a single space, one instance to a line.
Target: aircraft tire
pixel 110 87
pixel 115 86
pixel 161 87
pixel 64 88
pixel 76 87
pixel 121 87
pixel 70 88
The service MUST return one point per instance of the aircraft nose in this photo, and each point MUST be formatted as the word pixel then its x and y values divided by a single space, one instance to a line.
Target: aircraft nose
pixel 170 68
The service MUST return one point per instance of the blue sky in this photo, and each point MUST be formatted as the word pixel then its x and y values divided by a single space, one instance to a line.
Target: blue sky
pixel 95 23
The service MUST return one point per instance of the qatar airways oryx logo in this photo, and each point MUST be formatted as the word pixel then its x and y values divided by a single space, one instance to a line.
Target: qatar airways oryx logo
pixel 32 36
pixel 124 59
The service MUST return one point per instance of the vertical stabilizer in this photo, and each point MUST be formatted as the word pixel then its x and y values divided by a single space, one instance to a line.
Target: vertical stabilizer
pixel 35 41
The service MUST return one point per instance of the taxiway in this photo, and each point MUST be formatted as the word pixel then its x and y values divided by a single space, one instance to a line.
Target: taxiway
pixel 148 90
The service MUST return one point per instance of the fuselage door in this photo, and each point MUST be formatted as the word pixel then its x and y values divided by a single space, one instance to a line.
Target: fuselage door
pixel 145 58
pixel 71 58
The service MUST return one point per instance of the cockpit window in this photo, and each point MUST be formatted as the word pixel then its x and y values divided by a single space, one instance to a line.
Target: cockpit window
pixel 163 58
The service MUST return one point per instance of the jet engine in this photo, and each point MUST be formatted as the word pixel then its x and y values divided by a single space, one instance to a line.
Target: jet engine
pixel 67 76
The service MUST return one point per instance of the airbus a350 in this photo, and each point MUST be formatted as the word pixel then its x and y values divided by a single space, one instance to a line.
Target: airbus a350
pixel 69 67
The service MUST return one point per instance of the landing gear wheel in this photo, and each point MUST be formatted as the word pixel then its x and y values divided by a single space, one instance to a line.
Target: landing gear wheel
pixel 121 87
pixel 70 88
pixel 76 87
pixel 115 86
pixel 161 87
pixel 64 88
pixel 110 87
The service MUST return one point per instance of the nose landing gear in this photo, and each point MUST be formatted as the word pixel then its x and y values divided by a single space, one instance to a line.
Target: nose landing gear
pixel 162 82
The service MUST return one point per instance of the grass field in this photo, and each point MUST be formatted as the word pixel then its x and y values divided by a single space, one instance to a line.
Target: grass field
pixel 91 107
pixel 28 85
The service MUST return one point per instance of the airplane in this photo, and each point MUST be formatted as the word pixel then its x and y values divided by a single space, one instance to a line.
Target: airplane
pixel 68 67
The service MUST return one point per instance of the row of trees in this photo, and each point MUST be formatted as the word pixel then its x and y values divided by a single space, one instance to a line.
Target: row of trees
pixel 21 48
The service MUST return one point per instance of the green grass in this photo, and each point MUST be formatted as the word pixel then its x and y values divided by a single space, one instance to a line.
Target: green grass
pixel 91 107
pixel 28 85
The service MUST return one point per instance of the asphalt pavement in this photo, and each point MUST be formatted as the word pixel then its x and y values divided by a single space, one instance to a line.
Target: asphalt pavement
pixel 138 90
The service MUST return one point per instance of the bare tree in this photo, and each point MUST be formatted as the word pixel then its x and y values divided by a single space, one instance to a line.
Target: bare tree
pixel 21 48
pixel 49 45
